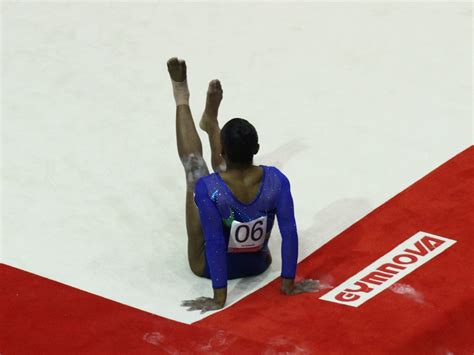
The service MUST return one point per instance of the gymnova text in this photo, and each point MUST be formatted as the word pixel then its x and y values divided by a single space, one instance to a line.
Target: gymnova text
pixel 399 262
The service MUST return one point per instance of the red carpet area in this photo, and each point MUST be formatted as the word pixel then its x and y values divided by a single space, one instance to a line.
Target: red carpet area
pixel 424 304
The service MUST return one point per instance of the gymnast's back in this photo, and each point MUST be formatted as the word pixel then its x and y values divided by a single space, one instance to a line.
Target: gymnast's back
pixel 242 229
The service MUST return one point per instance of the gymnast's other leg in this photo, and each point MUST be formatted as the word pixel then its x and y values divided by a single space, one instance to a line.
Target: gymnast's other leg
pixel 190 153
pixel 210 124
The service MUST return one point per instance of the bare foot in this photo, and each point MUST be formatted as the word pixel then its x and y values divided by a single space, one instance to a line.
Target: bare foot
pixel 214 98
pixel 177 69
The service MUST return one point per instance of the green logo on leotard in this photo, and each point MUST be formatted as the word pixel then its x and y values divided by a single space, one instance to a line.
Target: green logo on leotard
pixel 228 221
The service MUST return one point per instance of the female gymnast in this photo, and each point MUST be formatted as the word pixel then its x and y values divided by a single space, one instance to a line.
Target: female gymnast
pixel 230 213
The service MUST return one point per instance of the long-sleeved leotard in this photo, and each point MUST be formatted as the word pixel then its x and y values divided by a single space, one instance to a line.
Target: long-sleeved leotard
pixel 235 233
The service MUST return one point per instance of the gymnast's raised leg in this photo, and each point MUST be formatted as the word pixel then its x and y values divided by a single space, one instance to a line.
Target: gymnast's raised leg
pixel 190 153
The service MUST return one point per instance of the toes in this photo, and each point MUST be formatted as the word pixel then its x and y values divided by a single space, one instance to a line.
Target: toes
pixel 214 86
pixel 177 69
pixel 182 64
pixel 172 62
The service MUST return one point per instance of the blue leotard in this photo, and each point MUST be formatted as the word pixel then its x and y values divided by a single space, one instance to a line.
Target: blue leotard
pixel 220 211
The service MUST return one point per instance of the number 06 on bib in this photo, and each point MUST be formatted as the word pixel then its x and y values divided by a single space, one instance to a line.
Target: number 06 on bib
pixel 247 237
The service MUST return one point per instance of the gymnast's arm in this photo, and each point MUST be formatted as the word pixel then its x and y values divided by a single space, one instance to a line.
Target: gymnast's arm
pixel 289 246
pixel 215 247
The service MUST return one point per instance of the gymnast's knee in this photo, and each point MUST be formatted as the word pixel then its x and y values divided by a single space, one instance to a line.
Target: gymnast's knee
pixel 195 167
pixel 198 270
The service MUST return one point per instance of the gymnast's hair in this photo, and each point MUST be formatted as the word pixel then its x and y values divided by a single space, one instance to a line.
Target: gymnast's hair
pixel 239 140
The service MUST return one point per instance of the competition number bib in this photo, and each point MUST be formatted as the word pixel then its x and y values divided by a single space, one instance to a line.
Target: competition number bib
pixel 247 237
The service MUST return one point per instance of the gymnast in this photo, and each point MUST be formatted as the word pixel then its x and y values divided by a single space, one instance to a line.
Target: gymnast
pixel 230 213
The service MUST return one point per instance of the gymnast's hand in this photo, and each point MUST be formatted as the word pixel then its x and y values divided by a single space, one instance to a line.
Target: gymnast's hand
pixel 304 285
pixel 203 303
